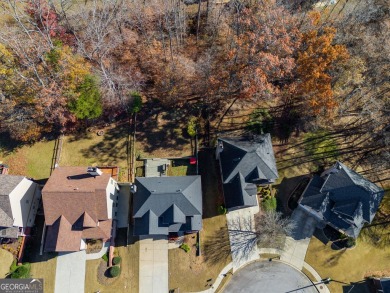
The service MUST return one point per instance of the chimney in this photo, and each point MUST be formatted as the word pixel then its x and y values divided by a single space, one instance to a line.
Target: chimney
pixel 94 171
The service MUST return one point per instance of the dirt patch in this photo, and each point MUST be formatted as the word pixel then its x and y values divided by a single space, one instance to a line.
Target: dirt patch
pixel 103 274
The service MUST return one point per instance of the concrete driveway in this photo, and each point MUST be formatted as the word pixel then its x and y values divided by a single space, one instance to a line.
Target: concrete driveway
pixel 243 243
pixel 153 264
pixel 70 272
pixel 265 276
pixel 297 243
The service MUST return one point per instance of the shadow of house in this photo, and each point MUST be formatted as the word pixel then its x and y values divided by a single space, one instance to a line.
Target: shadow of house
pixel 287 188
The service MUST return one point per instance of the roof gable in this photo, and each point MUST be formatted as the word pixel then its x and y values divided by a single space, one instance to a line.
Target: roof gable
pixel 352 201
pixel 71 192
pixel 250 157
pixel 164 204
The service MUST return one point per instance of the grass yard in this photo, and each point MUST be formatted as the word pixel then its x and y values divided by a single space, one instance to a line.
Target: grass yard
pixel 346 265
pixel 45 269
pixel 181 167
pixel 5 263
pixel 129 277
pixel 189 272
pixel 29 160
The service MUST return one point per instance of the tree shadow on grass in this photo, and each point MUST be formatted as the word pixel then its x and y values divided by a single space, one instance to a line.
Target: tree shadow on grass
pixel 8 145
pixel 217 247
pixel 112 149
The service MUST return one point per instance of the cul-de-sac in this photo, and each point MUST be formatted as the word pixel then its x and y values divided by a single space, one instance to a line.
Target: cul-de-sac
pixel 198 146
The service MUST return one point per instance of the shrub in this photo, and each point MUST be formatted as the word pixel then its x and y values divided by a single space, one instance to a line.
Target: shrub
pixel 269 204
pixel 351 242
pixel 105 257
pixel 115 271
pixel 222 210
pixel 13 266
pixel 21 272
pixel 116 260
pixel 185 247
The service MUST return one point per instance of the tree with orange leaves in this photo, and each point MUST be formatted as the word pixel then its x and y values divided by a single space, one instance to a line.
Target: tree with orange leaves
pixel 317 58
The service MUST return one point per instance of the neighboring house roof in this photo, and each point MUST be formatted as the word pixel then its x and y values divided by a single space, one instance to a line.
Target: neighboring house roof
pixel 343 198
pixel 9 232
pixel 167 204
pixel 7 185
pixel 75 206
pixel 245 162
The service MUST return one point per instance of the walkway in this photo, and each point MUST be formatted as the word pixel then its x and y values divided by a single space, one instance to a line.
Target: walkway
pixel 243 243
pixel 153 265
pixel 70 272
pixel 296 245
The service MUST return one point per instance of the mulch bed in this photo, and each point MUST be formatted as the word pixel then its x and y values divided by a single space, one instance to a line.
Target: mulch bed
pixel 103 274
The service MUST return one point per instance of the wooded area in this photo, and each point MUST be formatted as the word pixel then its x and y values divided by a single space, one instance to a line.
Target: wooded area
pixel 293 65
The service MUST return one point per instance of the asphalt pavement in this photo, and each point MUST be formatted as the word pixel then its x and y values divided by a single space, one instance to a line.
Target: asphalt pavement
pixel 269 276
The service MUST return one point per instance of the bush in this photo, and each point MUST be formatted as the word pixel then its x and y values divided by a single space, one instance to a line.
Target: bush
pixel 22 272
pixel 105 257
pixel 351 242
pixel 115 271
pixel 185 247
pixel 13 266
pixel 116 260
pixel 222 210
pixel 269 204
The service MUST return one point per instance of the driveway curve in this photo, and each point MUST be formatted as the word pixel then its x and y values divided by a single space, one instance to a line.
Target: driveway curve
pixel 265 276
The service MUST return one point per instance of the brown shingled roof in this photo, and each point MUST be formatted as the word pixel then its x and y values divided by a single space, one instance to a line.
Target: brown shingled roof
pixel 74 202
pixel 60 237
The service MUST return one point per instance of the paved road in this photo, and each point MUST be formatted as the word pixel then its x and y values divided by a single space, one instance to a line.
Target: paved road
pixel 153 265
pixel 264 276
pixel 242 242
pixel 70 272
pixel 296 245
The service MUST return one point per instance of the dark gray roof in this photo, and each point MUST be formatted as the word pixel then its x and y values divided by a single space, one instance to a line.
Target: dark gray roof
pixel 167 204
pixel 385 284
pixel 245 162
pixel 7 184
pixel 344 198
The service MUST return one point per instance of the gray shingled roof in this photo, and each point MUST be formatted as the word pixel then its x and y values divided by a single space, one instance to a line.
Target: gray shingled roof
pixel 7 184
pixel 245 162
pixel 9 232
pixel 167 204
pixel 345 199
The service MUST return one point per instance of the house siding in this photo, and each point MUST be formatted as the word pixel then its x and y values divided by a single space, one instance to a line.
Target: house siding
pixel 21 199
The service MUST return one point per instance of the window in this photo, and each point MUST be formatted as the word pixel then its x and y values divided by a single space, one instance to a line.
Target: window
pixel 112 181
pixel 116 214
pixel 27 201
pixel 117 197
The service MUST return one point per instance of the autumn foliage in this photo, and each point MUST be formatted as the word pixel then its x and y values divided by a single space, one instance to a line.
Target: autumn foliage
pixel 315 62
pixel 66 67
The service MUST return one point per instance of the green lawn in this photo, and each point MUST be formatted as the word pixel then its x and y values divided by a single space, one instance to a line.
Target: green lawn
pixel 29 160
pixel 5 263
pixel 181 167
